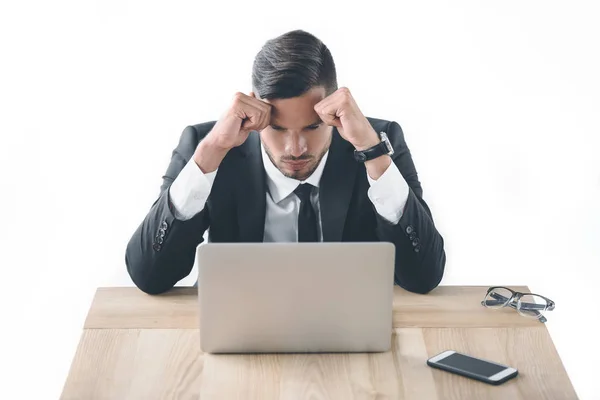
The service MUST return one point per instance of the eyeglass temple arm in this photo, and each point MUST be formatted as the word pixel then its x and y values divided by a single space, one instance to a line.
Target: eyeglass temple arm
pixel 539 316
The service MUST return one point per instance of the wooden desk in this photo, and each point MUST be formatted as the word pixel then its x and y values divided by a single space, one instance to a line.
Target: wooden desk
pixel 136 346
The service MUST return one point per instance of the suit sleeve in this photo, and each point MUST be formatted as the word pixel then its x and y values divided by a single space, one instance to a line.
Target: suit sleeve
pixel 162 249
pixel 420 255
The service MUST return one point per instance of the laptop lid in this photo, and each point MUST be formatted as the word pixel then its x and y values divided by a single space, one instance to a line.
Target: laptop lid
pixel 295 297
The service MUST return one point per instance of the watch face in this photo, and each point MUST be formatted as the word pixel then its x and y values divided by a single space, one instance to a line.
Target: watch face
pixel 388 144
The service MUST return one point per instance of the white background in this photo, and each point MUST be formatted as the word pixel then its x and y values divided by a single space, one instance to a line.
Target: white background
pixel 498 101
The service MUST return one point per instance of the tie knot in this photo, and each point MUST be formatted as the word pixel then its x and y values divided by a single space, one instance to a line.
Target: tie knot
pixel 303 191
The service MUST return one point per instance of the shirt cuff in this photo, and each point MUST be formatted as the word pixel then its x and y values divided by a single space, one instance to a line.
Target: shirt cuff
pixel 389 193
pixel 190 189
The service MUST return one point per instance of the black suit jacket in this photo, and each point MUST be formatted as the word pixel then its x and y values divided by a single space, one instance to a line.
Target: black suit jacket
pixel 162 249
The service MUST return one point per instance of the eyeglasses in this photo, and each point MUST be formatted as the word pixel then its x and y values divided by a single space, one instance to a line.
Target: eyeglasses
pixel 527 304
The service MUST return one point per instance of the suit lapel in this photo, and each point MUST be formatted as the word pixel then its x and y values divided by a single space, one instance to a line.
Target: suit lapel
pixel 251 196
pixel 336 186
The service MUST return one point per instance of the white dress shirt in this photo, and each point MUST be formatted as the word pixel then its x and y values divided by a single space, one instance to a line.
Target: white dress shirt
pixel 190 190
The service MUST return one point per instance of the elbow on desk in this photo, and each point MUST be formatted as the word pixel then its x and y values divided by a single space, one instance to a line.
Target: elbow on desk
pixel 418 288
pixel 141 276
pixel 423 284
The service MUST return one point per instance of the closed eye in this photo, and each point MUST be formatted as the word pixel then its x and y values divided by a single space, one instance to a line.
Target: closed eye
pixel 310 128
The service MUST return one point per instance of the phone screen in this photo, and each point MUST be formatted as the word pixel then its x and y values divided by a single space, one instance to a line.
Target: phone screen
pixel 466 363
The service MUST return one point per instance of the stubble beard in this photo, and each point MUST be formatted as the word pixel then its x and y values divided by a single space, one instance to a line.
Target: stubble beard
pixel 299 175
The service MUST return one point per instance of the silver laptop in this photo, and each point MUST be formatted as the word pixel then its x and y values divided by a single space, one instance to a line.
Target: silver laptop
pixel 295 297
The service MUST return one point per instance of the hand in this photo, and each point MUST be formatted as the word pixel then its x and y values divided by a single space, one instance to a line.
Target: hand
pixel 246 113
pixel 340 110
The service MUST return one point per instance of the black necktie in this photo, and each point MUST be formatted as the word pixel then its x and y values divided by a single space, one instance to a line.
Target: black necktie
pixel 307 218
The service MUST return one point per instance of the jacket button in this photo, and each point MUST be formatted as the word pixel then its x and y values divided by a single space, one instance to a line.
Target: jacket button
pixel 160 239
pixel 409 229
pixel 164 225
pixel 156 247
pixel 412 235
pixel 161 232
pixel 417 248
pixel 415 242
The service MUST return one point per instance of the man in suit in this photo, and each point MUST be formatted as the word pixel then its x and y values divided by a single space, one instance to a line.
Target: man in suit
pixel 295 160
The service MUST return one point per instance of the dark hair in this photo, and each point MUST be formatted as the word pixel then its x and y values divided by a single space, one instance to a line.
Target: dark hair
pixel 291 64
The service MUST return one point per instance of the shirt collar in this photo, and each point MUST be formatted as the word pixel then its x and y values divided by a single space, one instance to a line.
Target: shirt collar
pixel 280 186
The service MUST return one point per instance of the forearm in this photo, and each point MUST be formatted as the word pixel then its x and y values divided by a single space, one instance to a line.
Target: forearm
pixel 377 167
pixel 162 249
pixel 208 155
pixel 403 218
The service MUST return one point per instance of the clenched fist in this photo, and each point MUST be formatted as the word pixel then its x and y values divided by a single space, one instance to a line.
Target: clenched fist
pixel 246 114
pixel 339 109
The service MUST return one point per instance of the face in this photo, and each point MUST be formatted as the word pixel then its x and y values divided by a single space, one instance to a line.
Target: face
pixel 296 139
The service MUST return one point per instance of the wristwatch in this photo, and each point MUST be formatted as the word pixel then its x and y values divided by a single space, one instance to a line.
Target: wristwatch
pixel 380 149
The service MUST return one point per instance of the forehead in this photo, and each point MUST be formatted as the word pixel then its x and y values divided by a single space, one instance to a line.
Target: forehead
pixel 296 112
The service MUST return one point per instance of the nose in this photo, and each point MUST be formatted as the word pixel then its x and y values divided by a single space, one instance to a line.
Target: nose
pixel 296 145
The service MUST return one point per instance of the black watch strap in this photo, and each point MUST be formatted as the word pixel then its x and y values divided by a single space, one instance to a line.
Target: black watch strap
pixel 380 149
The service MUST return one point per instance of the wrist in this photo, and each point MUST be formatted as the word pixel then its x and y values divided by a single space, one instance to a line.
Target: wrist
pixel 371 140
pixel 377 166
pixel 209 154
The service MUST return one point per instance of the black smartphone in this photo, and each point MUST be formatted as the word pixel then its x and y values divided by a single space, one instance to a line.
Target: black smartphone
pixel 471 367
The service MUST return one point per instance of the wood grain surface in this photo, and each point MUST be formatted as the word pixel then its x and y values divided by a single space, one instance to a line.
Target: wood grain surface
pixel 168 364
pixel 445 306
pixel 136 346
